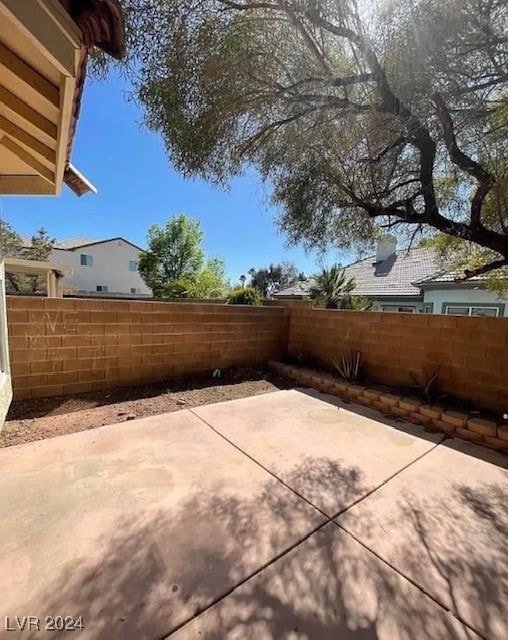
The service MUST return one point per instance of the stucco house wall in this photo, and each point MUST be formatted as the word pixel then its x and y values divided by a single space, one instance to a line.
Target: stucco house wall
pixel 109 267
pixel 5 367
pixel 464 296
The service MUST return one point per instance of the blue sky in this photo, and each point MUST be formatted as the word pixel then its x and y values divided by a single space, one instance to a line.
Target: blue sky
pixel 138 187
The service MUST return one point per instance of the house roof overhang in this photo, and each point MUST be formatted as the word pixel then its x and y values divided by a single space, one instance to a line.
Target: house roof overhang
pixel 44 46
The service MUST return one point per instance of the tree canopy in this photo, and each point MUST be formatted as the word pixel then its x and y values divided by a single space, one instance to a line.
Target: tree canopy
pixel 40 248
pixel 175 264
pixel 245 295
pixel 270 279
pixel 362 115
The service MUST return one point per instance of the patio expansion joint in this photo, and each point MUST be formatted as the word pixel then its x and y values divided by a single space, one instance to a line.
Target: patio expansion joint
pixel 262 466
pixel 386 562
pixel 341 511
pixel 328 520
pixel 410 580
pixel 224 595
pixel 390 478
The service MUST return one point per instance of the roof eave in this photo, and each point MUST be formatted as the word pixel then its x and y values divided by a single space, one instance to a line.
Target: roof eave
pixel 77 182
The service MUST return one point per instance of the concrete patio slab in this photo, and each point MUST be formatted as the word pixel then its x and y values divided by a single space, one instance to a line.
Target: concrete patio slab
pixel 443 522
pixel 328 588
pixel 164 526
pixel 136 527
pixel 324 450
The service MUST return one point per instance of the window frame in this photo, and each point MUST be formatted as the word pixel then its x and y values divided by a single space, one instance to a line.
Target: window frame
pixel 102 288
pixel 398 308
pixel 133 262
pixel 88 260
pixel 497 307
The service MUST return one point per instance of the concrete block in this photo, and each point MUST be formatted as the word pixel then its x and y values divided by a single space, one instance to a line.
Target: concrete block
pixel 469 435
pixel 431 411
pixel 456 418
pixel 483 427
pixel 390 399
pixel 496 443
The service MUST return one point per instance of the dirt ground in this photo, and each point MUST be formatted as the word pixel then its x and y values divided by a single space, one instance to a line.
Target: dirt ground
pixel 40 418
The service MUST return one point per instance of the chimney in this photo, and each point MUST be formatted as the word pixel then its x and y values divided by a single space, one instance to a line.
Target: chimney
pixel 386 247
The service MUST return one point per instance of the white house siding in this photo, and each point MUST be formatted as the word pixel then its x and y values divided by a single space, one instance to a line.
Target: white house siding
pixel 465 296
pixel 110 267
pixel 5 369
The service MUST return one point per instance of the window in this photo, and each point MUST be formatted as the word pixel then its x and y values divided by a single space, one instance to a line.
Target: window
pixel 469 310
pixel 491 312
pixel 394 308
pixel 86 261
pixel 133 265
pixel 428 307
pixel 457 311
pixel 133 290
pixel 102 287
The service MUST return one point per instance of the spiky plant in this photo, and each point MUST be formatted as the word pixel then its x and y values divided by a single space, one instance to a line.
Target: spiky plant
pixel 348 364
pixel 355 303
pixel 330 285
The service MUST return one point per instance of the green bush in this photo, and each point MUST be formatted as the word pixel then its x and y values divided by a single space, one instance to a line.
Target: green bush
pixel 247 295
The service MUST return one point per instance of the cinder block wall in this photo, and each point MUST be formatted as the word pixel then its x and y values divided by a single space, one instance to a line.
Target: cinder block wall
pixel 75 345
pixel 472 352
pixel 72 346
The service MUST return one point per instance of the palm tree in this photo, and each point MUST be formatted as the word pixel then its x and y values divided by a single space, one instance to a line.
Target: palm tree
pixel 330 286
pixel 355 303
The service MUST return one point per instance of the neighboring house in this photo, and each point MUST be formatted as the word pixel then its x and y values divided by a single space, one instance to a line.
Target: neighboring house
pixel 100 266
pixel 442 295
pixel 412 282
pixel 44 46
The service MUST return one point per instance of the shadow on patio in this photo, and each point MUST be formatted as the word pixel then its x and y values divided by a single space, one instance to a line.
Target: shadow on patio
pixel 160 568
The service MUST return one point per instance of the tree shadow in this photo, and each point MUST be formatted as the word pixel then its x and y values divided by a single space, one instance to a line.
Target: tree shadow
pixel 156 568
pixel 453 547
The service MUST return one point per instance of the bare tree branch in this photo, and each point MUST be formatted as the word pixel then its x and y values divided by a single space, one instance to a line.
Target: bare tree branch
pixel 486 268
pixel 460 159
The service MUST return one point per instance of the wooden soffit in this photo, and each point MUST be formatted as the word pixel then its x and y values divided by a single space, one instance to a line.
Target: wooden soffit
pixel 40 52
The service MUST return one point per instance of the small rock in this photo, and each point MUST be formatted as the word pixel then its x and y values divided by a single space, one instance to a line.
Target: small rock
pixel 130 416
pixel 180 401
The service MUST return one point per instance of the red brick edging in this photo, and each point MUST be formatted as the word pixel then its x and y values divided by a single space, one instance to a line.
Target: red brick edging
pixel 435 417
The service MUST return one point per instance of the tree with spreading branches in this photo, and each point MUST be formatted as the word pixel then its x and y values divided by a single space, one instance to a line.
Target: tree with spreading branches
pixel 269 280
pixel 40 248
pixel 363 115
pixel 175 265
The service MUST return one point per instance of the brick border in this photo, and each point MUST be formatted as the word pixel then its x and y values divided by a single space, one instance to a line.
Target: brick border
pixel 435 417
